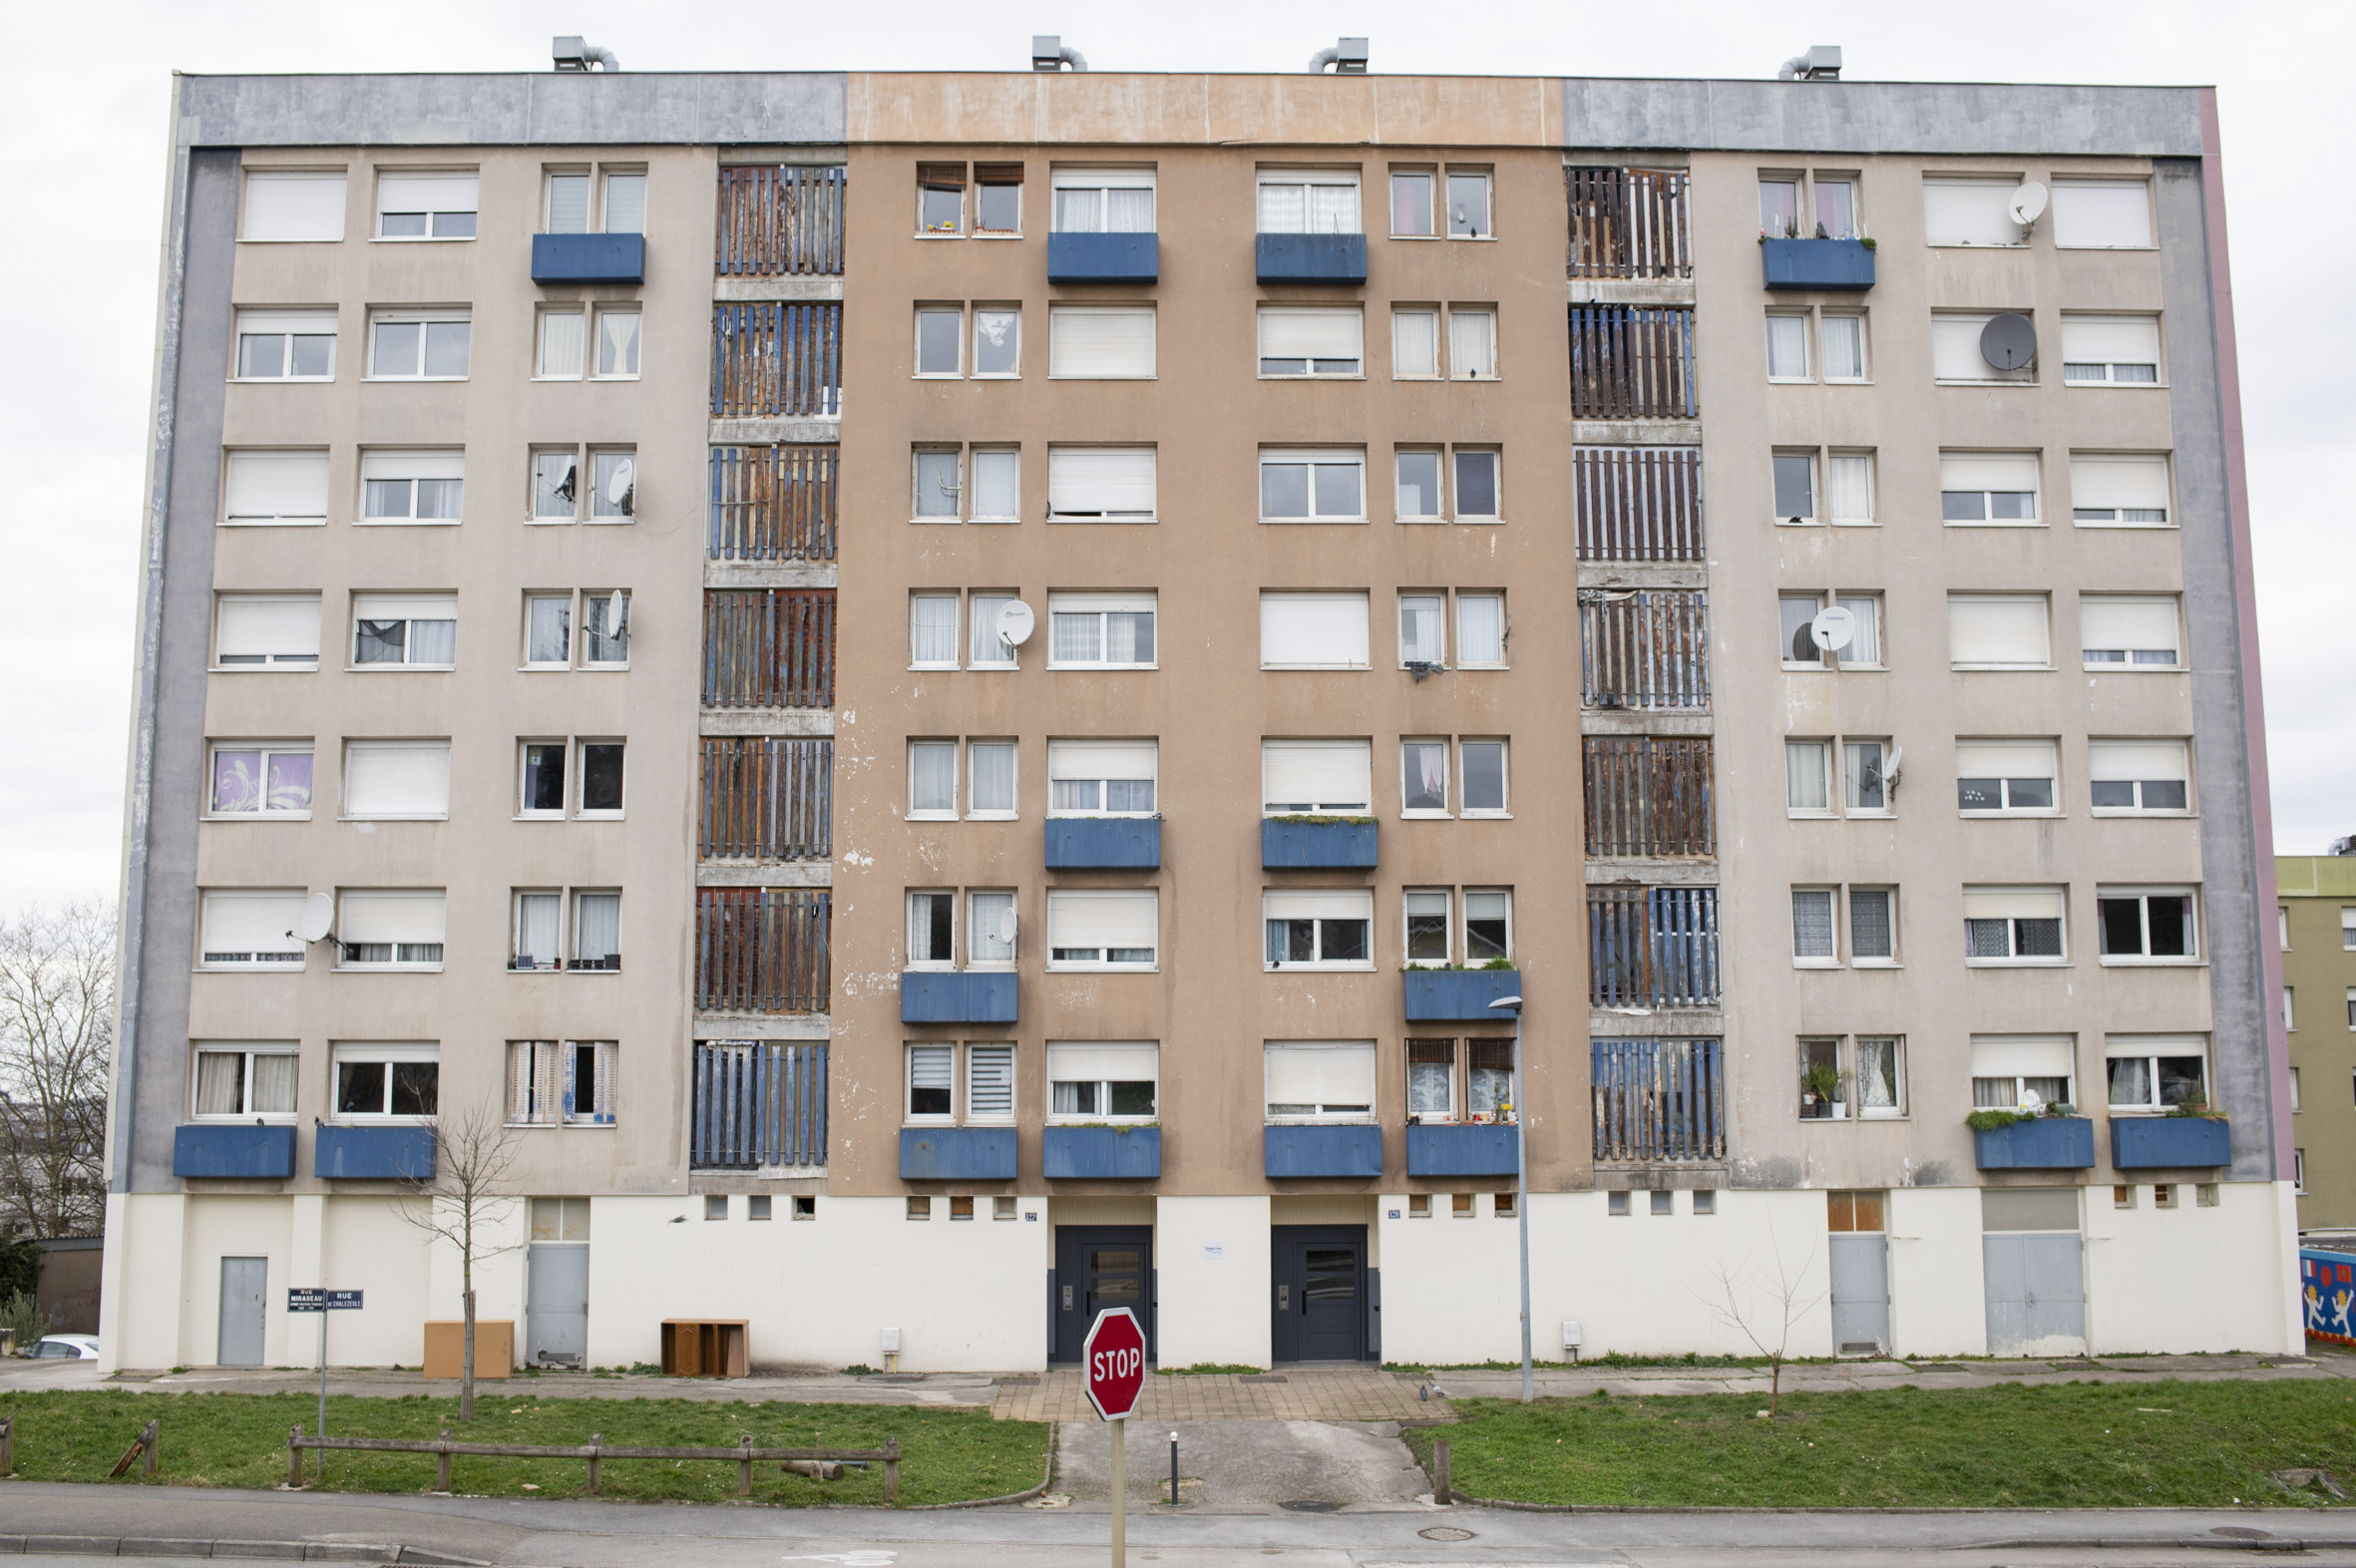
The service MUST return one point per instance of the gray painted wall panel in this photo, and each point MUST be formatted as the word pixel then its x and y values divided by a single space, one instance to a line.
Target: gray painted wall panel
pixel 512 109
pixel 1881 117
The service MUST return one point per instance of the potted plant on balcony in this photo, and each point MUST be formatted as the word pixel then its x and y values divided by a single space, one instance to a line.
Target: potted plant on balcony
pixel 1820 1090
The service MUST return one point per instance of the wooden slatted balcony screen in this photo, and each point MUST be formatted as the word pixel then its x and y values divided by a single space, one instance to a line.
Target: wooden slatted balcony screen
pixel 780 220
pixel 765 797
pixel 773 502
pixel 1629 222
pixel 1652 946
pixel 757 1105
pixel 761 950
pixel 1637 503
pixel 1659 1100
pixel 777 361
pixel 768 648
pixel 1645 649
pixel 1633 362
pixel 1649 796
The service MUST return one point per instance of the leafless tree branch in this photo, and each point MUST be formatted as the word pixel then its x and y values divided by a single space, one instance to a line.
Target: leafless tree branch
pixel 1782 1292
pixel 465 1203
pixel 57 1019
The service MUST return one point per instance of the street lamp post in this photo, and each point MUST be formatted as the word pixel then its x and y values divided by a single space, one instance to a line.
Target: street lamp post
pixel 1521 1187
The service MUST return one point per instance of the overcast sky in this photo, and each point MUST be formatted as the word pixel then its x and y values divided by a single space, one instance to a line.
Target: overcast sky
pixel 83 124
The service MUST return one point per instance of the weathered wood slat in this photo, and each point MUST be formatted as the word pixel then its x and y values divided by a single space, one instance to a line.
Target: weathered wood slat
pixel 766 797
pixel 762 950
pixel 768 648
pixel 758 1103
pixel 1632 362
pixel 773 502
pixel 1637 503
pixel 780 220
pixel 1653 947
pixel 775 360
pixel 1628 222
pixel 1649 796
pixel 1658 1101
pixel 1644 650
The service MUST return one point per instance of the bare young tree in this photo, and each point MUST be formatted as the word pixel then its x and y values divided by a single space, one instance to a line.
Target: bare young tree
pixel 466 1203
pixel 57 1032
pixel 1782 1298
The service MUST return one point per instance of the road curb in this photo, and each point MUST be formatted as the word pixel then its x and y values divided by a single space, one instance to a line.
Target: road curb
pixel 2267 1544
pixel 279 1551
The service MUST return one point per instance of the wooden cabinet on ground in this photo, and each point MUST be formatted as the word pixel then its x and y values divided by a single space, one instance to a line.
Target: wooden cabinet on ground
pixel 705 1348
pixel 494 1347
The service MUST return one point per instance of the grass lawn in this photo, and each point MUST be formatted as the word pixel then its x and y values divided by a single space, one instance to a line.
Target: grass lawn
pixel 240 1440
pixel 2073 1446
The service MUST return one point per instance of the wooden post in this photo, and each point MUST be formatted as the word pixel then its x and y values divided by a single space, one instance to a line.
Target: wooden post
pixel 442 1464
pixel 153 1435
pixel 744 1466
pixel 294 1456
pixel 892 1471
pixel 596 1442
pixel 7 1445
pixel 1440 1473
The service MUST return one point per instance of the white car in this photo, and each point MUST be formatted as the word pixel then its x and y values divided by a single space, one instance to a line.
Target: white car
pixel 67 1347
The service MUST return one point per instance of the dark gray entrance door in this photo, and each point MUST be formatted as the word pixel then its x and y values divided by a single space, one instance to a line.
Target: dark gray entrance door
pixel 2036 1295
pixel 1860 1295
pixel 556 1303
pixel 1320 1296
pixel 1099 1266
pixel 244 1286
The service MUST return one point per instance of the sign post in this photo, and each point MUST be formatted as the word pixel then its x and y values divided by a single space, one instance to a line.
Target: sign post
pixel 1112 1359
pixel 322 1302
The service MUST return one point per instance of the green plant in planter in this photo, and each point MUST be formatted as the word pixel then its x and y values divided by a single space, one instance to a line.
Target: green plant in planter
pixel 1317 820
pixel 1500 965
pixel 2060 1109
pixel 1867 243
pixel 2198 1108
pixel 1991 1120
pixel 1820 1080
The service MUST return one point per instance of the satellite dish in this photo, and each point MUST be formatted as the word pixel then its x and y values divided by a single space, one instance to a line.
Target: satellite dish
pixel 1832 629
pixel 2028 204
pixel 1015 622
pixel 2007 341
pixel 619 484
pixel 1007 924
pixel 617 613
pixel 1891 763
pixel 319 918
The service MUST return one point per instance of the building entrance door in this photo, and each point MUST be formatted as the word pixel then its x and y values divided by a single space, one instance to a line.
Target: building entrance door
pixel 1860 1273
pixel 555 1283
pixel 1099 1266
pixel 244 1286
pixel 2034 1258
pixel 1320 1296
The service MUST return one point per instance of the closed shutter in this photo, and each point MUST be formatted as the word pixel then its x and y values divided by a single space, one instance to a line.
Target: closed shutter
pixel 2004 759
pixel 276 487
pixel 413 464
pixel 2149 623
pixel 1097 1061
pixel 1312 334
pixel 1100 482
pixel 1312 630
pixel 404 915
pixel 1339 904
pixel 253 921
pixel 1092 919
pixel 265 625
pixel 405 606
pixel 2110 340
pixel 1099 604
pixel 1320 772
pixel 310 323
pixel 2011 904
pixel 2009 1057
pixel 2108 482
pixel 1100 344
pixel 426 193
pixel 305 206
pixel 2121 761
pixel 1101 759
pixel 608 1059
pixel 2000 471
pixel 1992 628
pixel 1969 212
pixel 1321 1072
pixel 518 1080
pixel 2102 214
pixel 396 779
pixel 989 1082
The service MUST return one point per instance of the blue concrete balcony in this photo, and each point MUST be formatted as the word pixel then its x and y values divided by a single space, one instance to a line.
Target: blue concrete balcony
pixel 1105 259
pixel 957 997
pixel 2169 1142
pixel 1313 259
pixel 1104 843
pixel 400 1154
pixel 956 1154
pixel 1454 996
pixel 1352 1150
pixel 222 1149
pixel 2037 1143
pixel 1316 843
pixel 1450 1149
pixel 1103 1153
pixel 588 258
pixel 1832 264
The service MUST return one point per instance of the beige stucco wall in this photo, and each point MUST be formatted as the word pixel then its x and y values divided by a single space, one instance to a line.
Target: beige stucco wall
pixel 2320 971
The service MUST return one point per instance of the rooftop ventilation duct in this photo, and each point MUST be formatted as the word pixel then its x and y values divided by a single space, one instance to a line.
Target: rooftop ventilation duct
pixel 573 54
pixel 1049 53
pixel 1347 58
pixel 1820 64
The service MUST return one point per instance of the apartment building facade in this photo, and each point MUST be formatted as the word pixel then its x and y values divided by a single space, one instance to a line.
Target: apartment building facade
pixel 1053 659
pixel 2317 928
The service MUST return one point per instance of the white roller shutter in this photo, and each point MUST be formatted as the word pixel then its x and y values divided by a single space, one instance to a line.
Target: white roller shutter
pixel 2127 622
pixel 405 914
pixel 2121 761
pixel 2102 214
pixel 295 206
pixel 1969 212
pixel 2010 1057
pixel 276 487
pixel 252 921
pixel 311 323
pixel 1989 471
pixel 2106 482
pixel 281 625
pixel 426 193
pixel 2110 340
pixel 1102 1061
pixel 1097 603
pixel 2004 759
pixel 1333 904
pixel 1994 629
pixel 1313 632
pixel 1101 759
pixel 405 606
pixel 413 464
pixel 1321 1072
pixel 2012 903
pixel 1102 919
pixel 1955 351
pixel 396 779
pixel 1316 770
pixel 1312 334
pixel 1100 344
pixel 1100 481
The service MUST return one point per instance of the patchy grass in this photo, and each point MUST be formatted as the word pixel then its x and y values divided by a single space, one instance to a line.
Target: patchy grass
pixel 1608 1361
pixel 2162 1444
pixel 239 1440
pixel 1209 1370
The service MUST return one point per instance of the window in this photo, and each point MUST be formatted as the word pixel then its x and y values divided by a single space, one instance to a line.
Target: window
pixel 1422 623
pixel 2117 351
pixel 939 484
pixel 1663 1201
pixel 2118 492
pixel 1836 208
pixel 405 631
pixel 1103 201
pixel 1996 487
pixel 266 631
pixel 2102 214
pixel 941 198
pixel 2348 930
pixel 2129 633
pixel 931 930
pixel 2298 1171
pixel 933 631
pixel 250 929
pixel 1797 613
pixel 1101 778
pixel 1101 484
pixel 1998 631
pixel 1418 487
pixel 1428 923
pixel 260 779
pixel 617 344
pixel 1414 344
pixel 2294 1089
pixel 1480 630
pixel 293 205
pixel 1100 342
pixel 1316 777
pixel 1313 632
pixel 932 780
pixel 1970 211
pixel 989 933
pixel 411 345
pixel 1811 926
pixel 1100 630
pixel 1469 205
pixel 998 341
pixel 1472 344
pixel 1312 487
pixel 997 496
pixel 2022 1072
pixel 1410 203
pixel 1308 201
pixel 605 629
pixel 1319 929
pixel 1103 927
pixel 1788 346
pixel 285 345
pixel 1476 485
pixel 596 932
pixel 424 205
pixel 2013 924
pixel 1779 207
pixel 390 928
pixel 1488 1083
pixel 2155 1072
pixel 558 494
pixel 542 775
pixel 1431 1080
pixel 1795 487
pixel 1089 1080
pixel 998 198
pixel 2015 777
pixel 244 1081
pixel 562 1083
pixel 940 334
pixel 412 487
pixel 390 780
pixel 1958 354
pixel 1816 914
pixel 1311 340
pixel 1488 925
pixel 1484 777
pixel 2290 1017
pixel 988 650
pixel 387 1082
pixel 932 1082
pixel 2141 925
pixel 1321 1080
pixel 990 1084
pixel 569 204
pixel 1873 926
pixel 1845 347
pixel 547 630
pixel 539 931
pixel 1808 774
pixel 1864 784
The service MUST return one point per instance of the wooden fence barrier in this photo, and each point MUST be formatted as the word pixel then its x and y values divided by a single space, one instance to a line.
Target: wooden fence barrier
pixel 7 1445
pixel 597 1450
pixel 142 1447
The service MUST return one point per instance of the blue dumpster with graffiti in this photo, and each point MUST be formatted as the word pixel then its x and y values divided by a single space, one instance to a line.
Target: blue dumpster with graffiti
pixel 2327 1284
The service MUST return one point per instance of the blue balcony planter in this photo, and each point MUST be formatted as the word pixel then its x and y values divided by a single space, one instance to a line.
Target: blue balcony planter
pixel 1354 1150
pixel 1103 1153
pixel 956 1153
pixel 1441 995
pixel 588 258
pixel 2169 1142
pixel 1104 843
pixel 957 997
pixel 404 1153
pixel 1316 846
pixel 1484 1150
pixel 202 1149
pixel 2042 1143
pixel 1313 259
pixel 1818 263
pixel 1105 259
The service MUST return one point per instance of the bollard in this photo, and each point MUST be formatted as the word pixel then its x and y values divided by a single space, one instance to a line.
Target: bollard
pixel 1440 1473
pixel 294 1456
pixel 596 1442
pixel 892 1471
pixel 1173 1470
pixel 7 1445
pixel 744 1466
pixel 442 1464
pixel 148 1440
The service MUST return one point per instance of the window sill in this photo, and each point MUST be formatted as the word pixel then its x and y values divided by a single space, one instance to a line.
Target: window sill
pixel 994 816
pixel 2115 962
pixel 2134 669
pixel 1308 522
pixel 1101 670
pixel 1461 668
pixel 930 816
pixel 1815 964
pixel 2009 816
pixel 1974 244
pixel 2129 812
pixel 1487 816
pixel 2131 527
pixel 1791 381
pixel 249 968
pixel 2116 386
pixel 233 1120
pixel 1343 669
pixel 1360 376
pixel 258 816
pixel 398 669
pixel 1875 964
pixel 438 816
pixel 2004 669
pixel 271 523
pixel 1848 381
pixel 329 239
pixel 387 968
pixel 422 240
pixel 597 815
pixel 1798 523
pixel 1995 522
pixel 406 522
pixel 1471 380
pixel 1102 969
pixel 1096 816
pixel 618 378
pixel 1319 967
pixel 2018 964
pixel 1428 816
pixel 1054 377
pixel 400 380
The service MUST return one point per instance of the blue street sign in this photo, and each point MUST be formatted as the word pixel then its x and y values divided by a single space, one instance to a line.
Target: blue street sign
pixel 306 1300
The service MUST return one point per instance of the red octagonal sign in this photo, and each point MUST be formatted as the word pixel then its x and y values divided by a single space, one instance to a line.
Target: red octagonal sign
pixel 1113 1360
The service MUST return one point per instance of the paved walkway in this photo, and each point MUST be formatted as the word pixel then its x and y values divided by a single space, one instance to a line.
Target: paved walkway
pixel 1297 1393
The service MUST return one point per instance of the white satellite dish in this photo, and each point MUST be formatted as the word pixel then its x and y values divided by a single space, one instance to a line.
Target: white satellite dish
pixel 1015 622
pixel 319 916
pixel 1891 763
pixel 2028 204
pixel 619 484
pixel 1006 926
pixel 617 613
pixel 1832 629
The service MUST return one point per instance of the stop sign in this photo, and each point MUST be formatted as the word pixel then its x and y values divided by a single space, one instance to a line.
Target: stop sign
pixel 1113 1360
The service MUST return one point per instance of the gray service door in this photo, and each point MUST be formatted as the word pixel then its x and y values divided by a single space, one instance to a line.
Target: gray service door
pixel 555 1312
pixel 1860 1295
pixel 244 1283
pixel 2036 1294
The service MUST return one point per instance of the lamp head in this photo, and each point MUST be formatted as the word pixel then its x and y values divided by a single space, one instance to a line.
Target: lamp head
pixel 1506 1002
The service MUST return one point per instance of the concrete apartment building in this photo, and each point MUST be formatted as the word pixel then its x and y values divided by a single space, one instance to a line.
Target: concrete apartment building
pixel 2319 935
pixel 587 509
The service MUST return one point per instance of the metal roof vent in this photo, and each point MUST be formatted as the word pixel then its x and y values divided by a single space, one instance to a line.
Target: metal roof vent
pixel 1048 53
pixel 2346 845
pixel 1347 58
pixel 574 54
pixel 1820 64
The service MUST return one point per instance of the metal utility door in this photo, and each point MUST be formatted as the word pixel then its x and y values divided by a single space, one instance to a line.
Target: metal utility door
pixel 244 1286
pixel 1100 1266
pixel 1860 1295
pixel 1320 1296
pixel 2036 1294
pixel 556 1303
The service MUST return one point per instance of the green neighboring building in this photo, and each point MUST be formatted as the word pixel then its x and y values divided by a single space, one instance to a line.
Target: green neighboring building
pixel 2318 927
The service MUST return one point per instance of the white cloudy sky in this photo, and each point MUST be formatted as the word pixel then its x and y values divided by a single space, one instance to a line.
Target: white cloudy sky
pixel 83 126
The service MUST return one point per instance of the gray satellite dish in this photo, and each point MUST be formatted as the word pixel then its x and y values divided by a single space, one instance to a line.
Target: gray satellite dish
pixel 1007 924
pixel 2007 341
pixel 1015 622
pixel 1891 763
pixel 319 918
pixel 1832 629
pixel 619 484
pixel 617 613
pixel 2028 204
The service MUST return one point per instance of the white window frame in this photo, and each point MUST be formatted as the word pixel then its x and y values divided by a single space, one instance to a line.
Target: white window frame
pixel 1411 745
pixel 1339 1113
pixel 993 1052
pixel 592 608
pixel 1864 375
pixel 1364 658
pixel 1954 324
pixel 1465 917
pixel 1100 181
pixel 2115 183
pixel 1306 181
pixel 388 173
pixel 924 308
pixel 424 319
pixel 1856 743
pixel 2151 1049
pixel 2134 664
pixel 971 484
pixel 1897 1111
pixel 2109 366
pixel 1312 458
pixel 566 1101
pixel 2097 747
pixel 1432 187
pixel 1068 453
pixel 1465 808
pixel 2006 808
pixel 2091 464
pixel 375 460
pixel 520 962
pixel 1998 181
pixel 2142 896
pixel 1014 810
pixel 540 346
pixel 426 750
pixel 593 351
pixel 1488 179
pixel 1460 367
pixel 408 635
pixel 1496 459
pixel 1988 519
pixel 1360 749
pixel 975 929
pixel 1824 748
pixel 285 326
pixel 1063 320
pixel 1463 596
pixel 1830 959
pixel 1807 367
pixel 1136 1049
pixel 577 962
pixel 2043 601
pixel 1439 599
pixel 291 957
pixel 387 1052
pixel 2013 958
pixel 982 627
pixel 1439 485
pixel 1859 455
pixel 339 204
pixel 418 896
pixel 909 927
pixel 1430 317
pixel 1814 515
pixel 948 813
pixel 1448 934
pixel 918 517
pixel 1360 898
pixel 910 1116
pixel 1309 372
pixel 1010 310
pixel 248 1051
pixel 1847 934
pixel 272 662
pixel 1100 606
pixel 1060 754
pixel 1068 897
pixel 265 751
pixel 955 630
